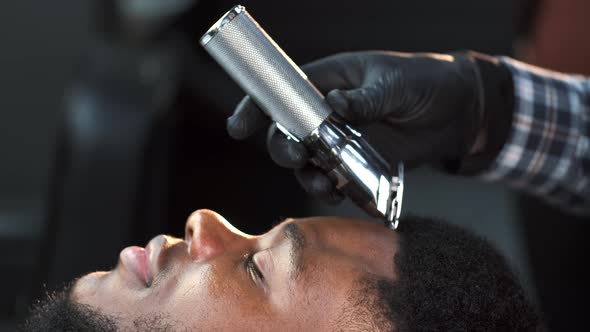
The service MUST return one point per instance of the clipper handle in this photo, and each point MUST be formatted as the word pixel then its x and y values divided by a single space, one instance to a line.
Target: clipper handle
pixel 266 73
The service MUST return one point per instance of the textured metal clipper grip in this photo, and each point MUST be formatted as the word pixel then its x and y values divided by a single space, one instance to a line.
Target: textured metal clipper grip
pixel 285 94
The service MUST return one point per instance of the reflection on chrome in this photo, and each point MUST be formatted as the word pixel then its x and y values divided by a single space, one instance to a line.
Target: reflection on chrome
pixel 357 169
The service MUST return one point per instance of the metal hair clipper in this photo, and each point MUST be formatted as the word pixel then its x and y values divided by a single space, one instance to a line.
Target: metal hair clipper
pixel 283 92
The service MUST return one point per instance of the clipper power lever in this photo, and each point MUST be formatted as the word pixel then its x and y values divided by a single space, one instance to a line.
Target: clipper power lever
pixel 283 92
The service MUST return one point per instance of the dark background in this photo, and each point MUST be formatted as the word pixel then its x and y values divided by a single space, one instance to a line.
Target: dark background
pixel 112 131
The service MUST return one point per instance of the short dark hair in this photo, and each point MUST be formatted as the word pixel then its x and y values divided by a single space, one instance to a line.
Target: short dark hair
pixel 449 279
pixel 57 312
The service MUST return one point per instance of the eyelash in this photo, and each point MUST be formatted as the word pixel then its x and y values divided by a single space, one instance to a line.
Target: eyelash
pixel 252 268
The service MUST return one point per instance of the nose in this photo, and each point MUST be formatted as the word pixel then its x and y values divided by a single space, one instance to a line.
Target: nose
pixel 209 234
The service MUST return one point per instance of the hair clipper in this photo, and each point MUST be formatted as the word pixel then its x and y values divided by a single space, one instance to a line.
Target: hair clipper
pixel 281 89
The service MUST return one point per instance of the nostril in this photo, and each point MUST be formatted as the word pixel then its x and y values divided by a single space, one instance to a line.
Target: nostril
pixel 188 234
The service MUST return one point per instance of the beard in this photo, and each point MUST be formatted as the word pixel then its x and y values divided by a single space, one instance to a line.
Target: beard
pixel 57 312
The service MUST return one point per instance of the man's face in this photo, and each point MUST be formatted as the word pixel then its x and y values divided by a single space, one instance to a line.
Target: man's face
pixel 302 275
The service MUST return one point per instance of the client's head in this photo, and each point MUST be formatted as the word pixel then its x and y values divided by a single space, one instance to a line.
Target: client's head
pixel 321 274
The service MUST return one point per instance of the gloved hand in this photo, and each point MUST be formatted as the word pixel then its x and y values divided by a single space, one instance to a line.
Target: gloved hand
pixel 452 110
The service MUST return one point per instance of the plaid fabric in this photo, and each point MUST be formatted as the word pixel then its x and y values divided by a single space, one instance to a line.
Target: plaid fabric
pixel 548 150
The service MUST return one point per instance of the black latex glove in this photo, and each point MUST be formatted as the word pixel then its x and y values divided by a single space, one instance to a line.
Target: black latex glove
pixel 450 110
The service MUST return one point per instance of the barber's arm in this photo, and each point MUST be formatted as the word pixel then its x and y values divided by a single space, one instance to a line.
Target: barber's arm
pixel 548 150
pixel 465 112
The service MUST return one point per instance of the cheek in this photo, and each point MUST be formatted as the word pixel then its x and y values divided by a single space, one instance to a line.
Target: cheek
pixel 199 297
pixel 184 293
pixel 210 298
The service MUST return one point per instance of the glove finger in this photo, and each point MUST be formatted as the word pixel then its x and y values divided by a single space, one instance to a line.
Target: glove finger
pixel 334 72
pixel 285 151
pixel 358 106
pixel 246 120
pixel 318 185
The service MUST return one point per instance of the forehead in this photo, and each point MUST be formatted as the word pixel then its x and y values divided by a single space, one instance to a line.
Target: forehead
pixel 366 246
pixel 340 255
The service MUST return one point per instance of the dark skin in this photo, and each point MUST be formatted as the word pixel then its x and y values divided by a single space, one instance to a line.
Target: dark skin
pixel 302 275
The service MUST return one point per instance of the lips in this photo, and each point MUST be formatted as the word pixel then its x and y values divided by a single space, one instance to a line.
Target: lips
pixel 135 260
pixel 153 251
pixel 144 264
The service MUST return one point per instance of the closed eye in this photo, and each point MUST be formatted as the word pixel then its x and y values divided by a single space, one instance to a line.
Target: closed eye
pixel 253 269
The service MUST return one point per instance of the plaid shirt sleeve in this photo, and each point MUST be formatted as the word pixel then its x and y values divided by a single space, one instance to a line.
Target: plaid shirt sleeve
pixel 548 150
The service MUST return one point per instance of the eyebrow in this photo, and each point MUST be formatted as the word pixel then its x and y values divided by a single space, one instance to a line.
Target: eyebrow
pixel 295 235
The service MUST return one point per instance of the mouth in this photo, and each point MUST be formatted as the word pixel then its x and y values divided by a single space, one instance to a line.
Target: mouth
pixel 153 252
pixel 146 263
pixel 135 260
